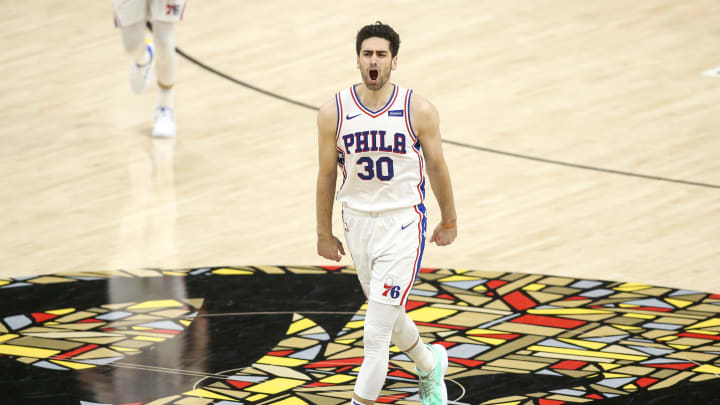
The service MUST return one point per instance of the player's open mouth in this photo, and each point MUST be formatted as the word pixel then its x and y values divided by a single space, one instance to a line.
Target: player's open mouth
pixel 373 74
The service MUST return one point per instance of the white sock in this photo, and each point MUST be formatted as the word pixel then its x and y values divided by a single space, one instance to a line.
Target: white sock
pixel 165 97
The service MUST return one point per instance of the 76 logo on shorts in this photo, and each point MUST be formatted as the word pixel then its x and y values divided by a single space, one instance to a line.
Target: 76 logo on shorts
pixel 393 290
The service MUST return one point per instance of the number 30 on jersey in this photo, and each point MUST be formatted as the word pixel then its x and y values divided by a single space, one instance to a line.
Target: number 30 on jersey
pixel 382 168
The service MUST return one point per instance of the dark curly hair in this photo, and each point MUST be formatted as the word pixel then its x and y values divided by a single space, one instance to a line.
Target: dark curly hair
pixel 379 30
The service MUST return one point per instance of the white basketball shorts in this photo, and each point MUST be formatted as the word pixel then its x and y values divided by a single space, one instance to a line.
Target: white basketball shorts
pixel 128 12
pixel 387 249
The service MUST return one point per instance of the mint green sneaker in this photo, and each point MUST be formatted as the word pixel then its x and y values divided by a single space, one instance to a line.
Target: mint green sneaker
pixel 432 383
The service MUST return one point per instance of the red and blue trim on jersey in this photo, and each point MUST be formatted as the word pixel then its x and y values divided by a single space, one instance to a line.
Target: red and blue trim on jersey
pixel 374 114
pixel 422 228
pixel 338 128
pixel 416 144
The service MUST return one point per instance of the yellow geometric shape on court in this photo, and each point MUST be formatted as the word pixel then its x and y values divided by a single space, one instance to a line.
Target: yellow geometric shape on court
pixel 256 397
pixel 281 361
pixel 3 282
pixel 355 324
pixel 706 324
pixel 429 314
pixel 631 287
pixel 678 303
pixel 337 379
pixel 708 368
pixel 584 343
pixel 588 353
pixel 61 311
pixel 567 311
pixel 9 336
pixel 156 304
pixel 458 278
pixel 27 351
pixel 490 341
pixel 291 401
pixel 207 394
pixel 149 338
pixel 302 324
pixel 534 287
pixel 232 272
pixel 73 365
pixel 639 316
pixel 174 273
pixel 275 385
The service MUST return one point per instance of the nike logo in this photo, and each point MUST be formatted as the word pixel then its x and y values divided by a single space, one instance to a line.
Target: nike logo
pixel 403 227
pixel 348 117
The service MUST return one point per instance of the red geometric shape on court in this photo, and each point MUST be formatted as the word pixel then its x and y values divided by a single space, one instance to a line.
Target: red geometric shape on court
pixel 401 374
pixel 495 283
pixel 541 320
pixel 490 293
pixel 544 401
pixel 674 366
pixel 507 336
pixel 42 317
pixel 391 398
pixel 466 362
pixel 355 361
pixel 645 381
pixel 446 297
pixel 281 353
pixel 317 384
pixel 90 320
pixel 427 270
pixel 594 396
pixel 699 336
pixel 439 325
pixel 714 296
pixel 344 369
pixel 410 305
pixel 519 301
pixel 239 384
pixel 576 297
pixel 332 268
pixel 445 344
pixel 569 365
pixel 75 352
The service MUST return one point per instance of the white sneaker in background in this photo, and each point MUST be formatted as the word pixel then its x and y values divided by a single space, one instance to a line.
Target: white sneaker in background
pixel 164 122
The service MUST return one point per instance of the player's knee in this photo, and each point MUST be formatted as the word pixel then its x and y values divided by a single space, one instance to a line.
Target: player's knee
pixel 133 37
pixel 376 337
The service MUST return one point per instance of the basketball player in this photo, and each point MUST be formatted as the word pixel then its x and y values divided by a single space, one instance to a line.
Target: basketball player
pixel 375 131
pixel 131 17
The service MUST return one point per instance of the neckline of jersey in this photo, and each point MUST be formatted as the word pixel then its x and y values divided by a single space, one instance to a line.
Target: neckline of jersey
pixel 368 111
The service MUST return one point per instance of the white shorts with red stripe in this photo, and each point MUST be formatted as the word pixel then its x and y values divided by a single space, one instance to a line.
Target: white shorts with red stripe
pixel 128 12
pixel 387 249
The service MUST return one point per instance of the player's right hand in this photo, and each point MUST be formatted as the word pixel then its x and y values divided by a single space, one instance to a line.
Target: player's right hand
pixel 330 247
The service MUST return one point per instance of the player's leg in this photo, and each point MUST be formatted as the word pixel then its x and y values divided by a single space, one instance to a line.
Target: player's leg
pixel 379 321
pixel 166 71
pixel 165 14
pixel 130 16
pixel 399 257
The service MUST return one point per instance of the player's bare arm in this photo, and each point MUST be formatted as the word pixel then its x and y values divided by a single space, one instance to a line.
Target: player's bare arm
pixel 426 122
pixel 328 246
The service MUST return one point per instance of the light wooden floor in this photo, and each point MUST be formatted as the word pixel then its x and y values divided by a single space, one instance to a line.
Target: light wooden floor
pixel 612 84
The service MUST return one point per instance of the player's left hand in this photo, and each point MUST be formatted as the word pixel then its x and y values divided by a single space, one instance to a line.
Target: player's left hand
pixel 443 236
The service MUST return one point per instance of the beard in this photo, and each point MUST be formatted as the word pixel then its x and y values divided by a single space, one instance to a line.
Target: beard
pixel 379 82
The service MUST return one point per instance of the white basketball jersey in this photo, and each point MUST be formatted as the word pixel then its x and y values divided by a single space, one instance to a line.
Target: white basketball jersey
pixel 379 153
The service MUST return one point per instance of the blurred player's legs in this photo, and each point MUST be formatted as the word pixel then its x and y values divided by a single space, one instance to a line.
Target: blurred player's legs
pixel 166 69
pixel 131 16
pixel 142 52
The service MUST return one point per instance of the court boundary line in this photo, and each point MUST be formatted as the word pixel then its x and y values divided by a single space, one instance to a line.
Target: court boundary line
pixel 455 143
